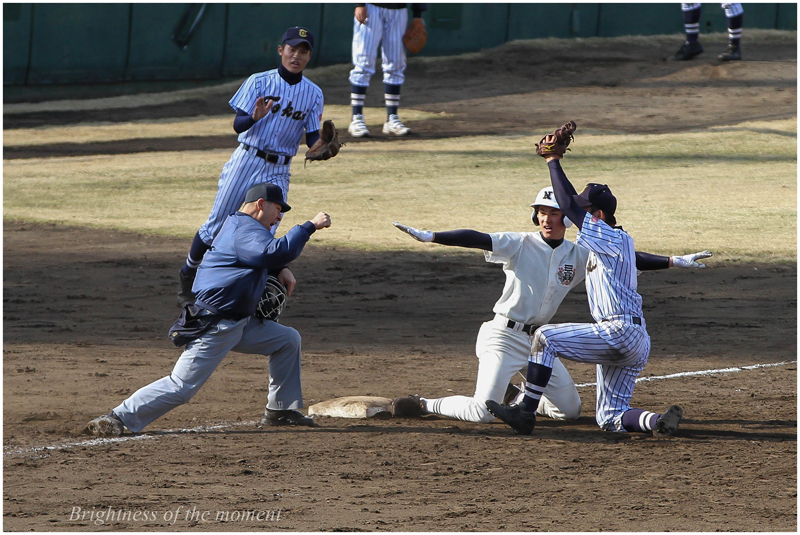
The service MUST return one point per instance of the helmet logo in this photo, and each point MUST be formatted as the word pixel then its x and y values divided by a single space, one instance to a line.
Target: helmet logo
pixel 547 195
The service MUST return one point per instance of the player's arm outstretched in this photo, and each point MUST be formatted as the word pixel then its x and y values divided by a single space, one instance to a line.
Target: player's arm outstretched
pixel 458 238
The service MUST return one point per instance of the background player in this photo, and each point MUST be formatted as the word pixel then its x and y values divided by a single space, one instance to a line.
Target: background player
pixel 618 343
pixel 691 23
pixel 273 109
pixel 230 283
pixel 384 25
pixel 540 268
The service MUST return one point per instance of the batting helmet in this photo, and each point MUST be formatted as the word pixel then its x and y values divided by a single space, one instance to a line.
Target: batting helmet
pixel 272 300
pixel 546 197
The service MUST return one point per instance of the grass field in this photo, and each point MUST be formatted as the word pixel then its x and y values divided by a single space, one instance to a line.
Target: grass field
pixel 677 192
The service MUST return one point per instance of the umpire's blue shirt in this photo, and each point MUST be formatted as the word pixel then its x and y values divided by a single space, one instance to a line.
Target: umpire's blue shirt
pixel 231 278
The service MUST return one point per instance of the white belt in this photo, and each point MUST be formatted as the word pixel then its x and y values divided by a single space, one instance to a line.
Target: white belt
pixel 627 318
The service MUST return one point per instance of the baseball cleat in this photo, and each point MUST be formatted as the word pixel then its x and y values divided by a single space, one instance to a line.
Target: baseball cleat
pixel 733 53
pixel 687 51
pixel 358 128
pixel 519 419
pixel 667 423
pixel 108 425
pixel 287 417
pixel 185 295
pixel 394 126
pixel 408 407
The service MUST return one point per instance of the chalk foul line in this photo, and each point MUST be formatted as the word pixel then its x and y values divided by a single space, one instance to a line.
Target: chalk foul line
pixel 43 450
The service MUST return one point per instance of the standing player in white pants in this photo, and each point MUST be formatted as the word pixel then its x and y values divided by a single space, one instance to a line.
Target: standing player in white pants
pixel 617 343
pixel 273 110
pixel 691 23
pixel 540 268
pixel 381 25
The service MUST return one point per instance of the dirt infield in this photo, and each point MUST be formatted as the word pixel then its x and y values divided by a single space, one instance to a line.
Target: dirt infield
pixel 86 313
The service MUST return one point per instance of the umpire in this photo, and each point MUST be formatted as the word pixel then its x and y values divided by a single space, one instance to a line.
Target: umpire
pixel 230 282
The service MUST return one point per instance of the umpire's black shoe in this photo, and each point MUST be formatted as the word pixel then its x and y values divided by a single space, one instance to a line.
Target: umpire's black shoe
pixel 519 419
pixel 733 53
pixel 288 417
pixel 667 423
pixel 185 295
pixel 687 51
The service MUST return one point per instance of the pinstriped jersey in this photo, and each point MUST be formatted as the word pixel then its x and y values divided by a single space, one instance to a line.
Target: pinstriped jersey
pixel 610 271
pixel 299 109
pixel 538 277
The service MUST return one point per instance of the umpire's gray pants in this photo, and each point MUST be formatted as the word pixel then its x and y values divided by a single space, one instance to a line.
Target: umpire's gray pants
pixel 202 356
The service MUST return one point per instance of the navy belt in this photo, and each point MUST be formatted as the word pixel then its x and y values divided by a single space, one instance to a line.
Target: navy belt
pixel 527 329
pixel 268 156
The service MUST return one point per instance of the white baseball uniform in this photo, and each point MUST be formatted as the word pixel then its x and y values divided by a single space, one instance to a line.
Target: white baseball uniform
pixel 385 28
pixel 618 343
pixel 538 278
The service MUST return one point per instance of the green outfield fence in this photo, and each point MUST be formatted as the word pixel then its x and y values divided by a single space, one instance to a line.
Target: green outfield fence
pixel 89 43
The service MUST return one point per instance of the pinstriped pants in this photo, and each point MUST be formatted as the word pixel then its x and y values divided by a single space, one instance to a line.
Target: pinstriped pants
pixel 385 27
pixel 239 174
pixel 619 350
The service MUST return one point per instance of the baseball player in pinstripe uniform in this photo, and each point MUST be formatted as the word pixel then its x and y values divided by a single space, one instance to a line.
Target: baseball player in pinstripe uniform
pixel 384 25
pixel 617 343
pixel 540 269
pixel 691 22
pixel 273 110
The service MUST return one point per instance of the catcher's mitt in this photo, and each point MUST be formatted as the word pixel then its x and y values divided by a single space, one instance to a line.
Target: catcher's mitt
pixel 327 146
pixel 416 36
pixel 556 143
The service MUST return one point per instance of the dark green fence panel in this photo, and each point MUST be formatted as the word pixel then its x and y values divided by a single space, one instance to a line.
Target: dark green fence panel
pixel 154 55
pixel 535 21
pixel 16 42
pixel 337 34
pixel 640 19
pixel 786 17
pixel 457 28
pixel 86 43
pixel 78 43
pixel 255 30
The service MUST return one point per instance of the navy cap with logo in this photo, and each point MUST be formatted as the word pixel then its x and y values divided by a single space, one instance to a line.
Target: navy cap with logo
pixel 295 36
pixel 268 192
pixel 598 195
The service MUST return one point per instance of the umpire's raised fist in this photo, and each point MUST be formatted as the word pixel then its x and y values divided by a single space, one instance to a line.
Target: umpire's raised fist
pixel 321 220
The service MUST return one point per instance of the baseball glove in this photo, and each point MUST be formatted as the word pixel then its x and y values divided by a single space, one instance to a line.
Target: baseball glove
pixel 556 143
pixel 416 36
pixel 327 146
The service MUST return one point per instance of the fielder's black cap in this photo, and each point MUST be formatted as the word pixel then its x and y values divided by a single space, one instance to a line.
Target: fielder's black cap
pixel 295 36
pixel 268 192
pixel 598 195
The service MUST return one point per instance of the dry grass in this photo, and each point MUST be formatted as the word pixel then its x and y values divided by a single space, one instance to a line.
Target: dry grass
pixel 677 192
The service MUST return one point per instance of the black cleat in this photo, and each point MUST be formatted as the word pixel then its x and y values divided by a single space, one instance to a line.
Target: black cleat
pixel 185 295
pixel 733 53
pixel 520 420
pixel 408 407
pixel 687 51
pixel 287 417
pixel 667 423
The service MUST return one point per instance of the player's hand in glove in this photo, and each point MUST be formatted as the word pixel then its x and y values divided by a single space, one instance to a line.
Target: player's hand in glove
pixel 690 260
pixel 327 146
pixel 419 235
pixel 556 143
